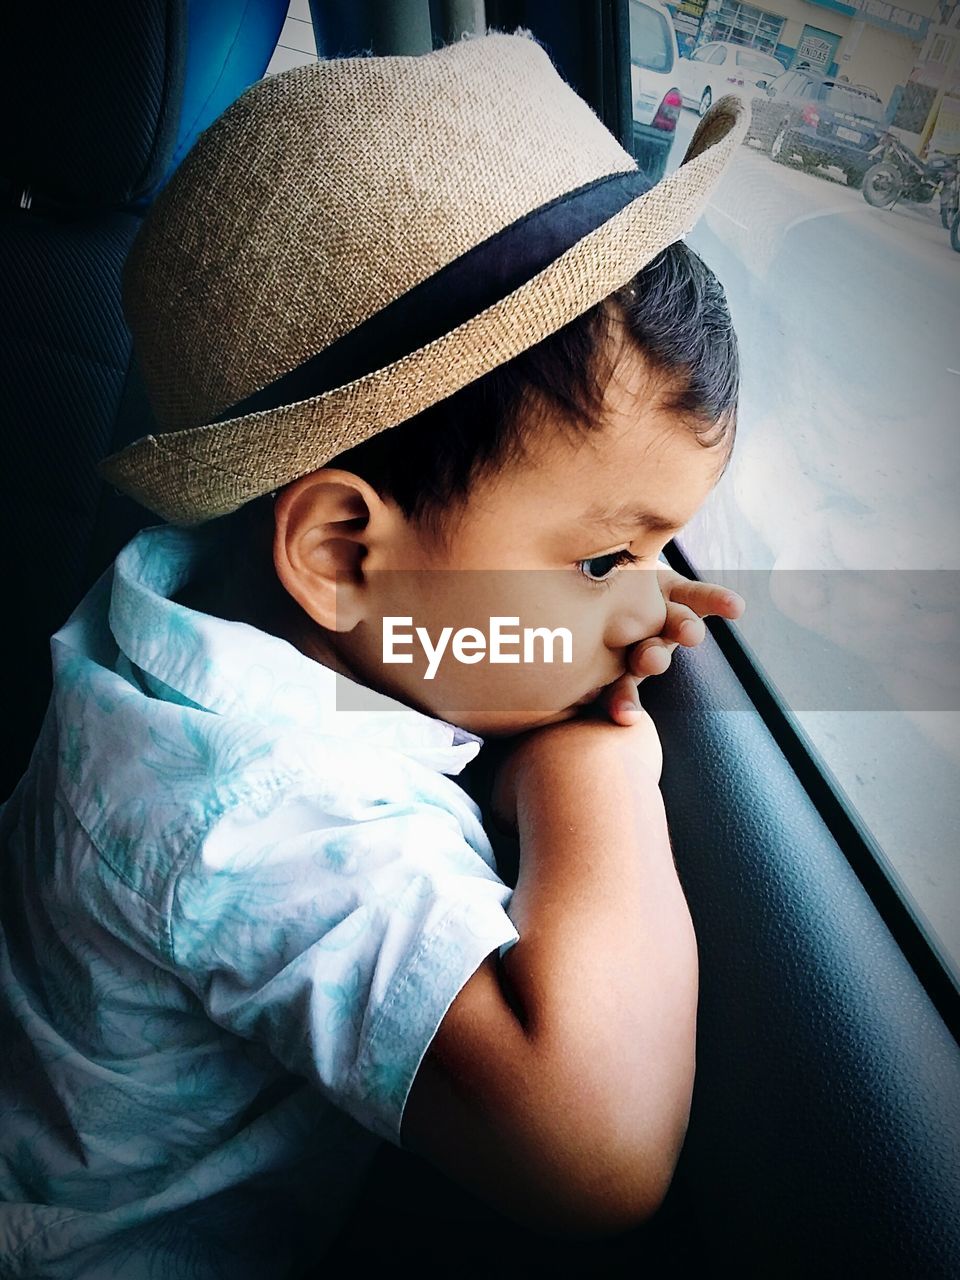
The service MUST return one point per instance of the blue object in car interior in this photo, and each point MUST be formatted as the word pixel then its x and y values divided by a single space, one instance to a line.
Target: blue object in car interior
pixel 229 46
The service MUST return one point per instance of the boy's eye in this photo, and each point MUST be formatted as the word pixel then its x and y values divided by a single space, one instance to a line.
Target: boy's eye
pixel 599 568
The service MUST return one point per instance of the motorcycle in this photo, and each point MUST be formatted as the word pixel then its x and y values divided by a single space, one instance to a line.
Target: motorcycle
pixel 900 174
pixel 949 188
pixel 950 204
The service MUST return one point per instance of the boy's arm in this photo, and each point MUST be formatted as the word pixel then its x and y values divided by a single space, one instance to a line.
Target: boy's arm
pixel 558 1085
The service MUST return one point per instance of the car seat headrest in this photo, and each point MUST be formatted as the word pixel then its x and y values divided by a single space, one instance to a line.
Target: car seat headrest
pixel 149 76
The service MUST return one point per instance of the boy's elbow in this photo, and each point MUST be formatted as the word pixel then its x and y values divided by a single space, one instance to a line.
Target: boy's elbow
pixel 564 1171
pixel 610 1212
pixel 566 1144
pixel 636 1200
pixel 622 1154
pixel 604 1189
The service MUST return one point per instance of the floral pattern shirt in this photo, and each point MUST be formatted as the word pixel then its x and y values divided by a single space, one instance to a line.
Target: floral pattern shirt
pixel 232 917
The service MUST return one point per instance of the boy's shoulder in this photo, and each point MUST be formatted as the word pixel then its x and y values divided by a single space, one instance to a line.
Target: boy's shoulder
pixel 136 631
pixel 174 728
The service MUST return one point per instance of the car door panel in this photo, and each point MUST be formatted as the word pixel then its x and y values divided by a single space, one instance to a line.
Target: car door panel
pixel 816 1040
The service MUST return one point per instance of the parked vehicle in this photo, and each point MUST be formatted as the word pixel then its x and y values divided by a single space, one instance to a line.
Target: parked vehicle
pixel 805 119
pixel 721 67
pixel 950 192
pixel 900 174
pixel 656 99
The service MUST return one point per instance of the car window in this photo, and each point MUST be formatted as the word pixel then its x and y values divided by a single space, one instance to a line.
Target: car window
pixel 703 54
pixel 651 38
pixel 855 101
pixel 718 56
pixel 757 62
pixel 837 518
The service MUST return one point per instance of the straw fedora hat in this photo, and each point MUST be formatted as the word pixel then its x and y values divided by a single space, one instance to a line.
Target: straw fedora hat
pixel 354 240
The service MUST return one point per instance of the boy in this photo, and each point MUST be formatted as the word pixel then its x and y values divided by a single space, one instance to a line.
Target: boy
pixel 429 359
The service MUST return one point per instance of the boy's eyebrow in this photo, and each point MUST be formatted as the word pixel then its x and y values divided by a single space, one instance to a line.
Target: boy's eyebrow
pixel 629 516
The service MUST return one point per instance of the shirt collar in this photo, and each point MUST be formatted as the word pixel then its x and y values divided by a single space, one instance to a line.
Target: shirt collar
pixel 234 668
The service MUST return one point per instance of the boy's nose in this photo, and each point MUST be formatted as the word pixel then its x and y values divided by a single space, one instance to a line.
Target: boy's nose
pixel 639 609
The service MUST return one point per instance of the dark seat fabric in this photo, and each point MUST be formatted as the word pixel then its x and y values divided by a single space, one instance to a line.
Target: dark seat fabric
pixel 85 136
pixel 91 126
pixel 824 1137
pixel 61 381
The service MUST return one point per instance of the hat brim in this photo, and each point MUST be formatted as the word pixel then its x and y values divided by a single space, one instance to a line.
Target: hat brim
pixel 203 472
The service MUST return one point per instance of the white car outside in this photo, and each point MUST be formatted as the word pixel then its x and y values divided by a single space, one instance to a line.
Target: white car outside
pixel 719 68
pixel 655 94
pixel 654 57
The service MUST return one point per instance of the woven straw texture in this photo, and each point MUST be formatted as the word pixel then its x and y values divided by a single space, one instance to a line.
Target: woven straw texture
pixel 326 192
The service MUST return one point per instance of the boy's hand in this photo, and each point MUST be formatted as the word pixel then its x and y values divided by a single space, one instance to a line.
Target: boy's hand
pixel 687 604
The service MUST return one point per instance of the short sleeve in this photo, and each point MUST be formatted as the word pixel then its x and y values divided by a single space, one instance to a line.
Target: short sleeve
pixel 338 942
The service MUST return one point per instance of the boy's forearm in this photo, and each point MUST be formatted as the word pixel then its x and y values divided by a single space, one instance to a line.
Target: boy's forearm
pixel 604 979
pixel 558 1085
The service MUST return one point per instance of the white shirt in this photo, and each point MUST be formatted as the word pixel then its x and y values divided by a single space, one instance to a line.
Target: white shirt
pixel 232 918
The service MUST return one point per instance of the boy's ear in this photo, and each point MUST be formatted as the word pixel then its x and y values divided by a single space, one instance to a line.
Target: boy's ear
pixel 320 540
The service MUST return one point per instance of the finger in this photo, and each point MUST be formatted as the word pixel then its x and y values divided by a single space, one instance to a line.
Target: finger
pixel 682 625
pixel 650 658
pixel 706 599
pixel 620 700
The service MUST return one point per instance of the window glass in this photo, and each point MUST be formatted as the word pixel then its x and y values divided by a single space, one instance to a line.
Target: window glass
pixel 702 55
pixel 941 50
pixel 838 518
pixel 651 41
pixel 296 45
pixel 757 62
pixel 718 56
pixel 855 101
pixel 744 24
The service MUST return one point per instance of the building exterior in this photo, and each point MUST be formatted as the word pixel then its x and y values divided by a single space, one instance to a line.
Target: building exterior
pixel 933 88
pixel 871 42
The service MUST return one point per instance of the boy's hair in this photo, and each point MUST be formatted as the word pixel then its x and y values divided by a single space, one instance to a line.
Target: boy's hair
pixel 674 311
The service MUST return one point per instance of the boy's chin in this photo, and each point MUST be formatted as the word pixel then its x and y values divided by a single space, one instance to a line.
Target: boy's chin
pixel 488 722
pixel 522 724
